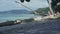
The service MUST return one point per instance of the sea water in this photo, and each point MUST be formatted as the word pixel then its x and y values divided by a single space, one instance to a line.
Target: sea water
pixel 9 17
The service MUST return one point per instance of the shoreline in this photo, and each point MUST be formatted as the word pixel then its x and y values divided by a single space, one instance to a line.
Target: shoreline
pixel 38 18
pixel 9 23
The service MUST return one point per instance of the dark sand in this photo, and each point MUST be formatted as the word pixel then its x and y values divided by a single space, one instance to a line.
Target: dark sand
pixel 44 27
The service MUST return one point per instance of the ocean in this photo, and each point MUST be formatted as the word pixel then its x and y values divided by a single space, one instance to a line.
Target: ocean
pixel 9 17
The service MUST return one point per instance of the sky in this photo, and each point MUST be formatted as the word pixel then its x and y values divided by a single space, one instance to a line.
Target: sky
pixel 12 5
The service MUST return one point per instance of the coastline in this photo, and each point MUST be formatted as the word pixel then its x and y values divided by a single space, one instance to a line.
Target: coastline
pixel 25 21
pixel 9 23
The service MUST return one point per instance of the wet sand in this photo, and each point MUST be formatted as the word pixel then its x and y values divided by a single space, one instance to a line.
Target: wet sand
pixel 44 27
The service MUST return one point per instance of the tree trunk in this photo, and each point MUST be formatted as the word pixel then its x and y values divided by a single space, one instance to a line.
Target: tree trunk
pixel 50 7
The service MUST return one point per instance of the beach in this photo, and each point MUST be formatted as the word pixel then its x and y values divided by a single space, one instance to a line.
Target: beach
pixel 40 27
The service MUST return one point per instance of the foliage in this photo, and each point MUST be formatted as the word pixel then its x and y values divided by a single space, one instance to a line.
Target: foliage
pixel 42 11
pixel 55 5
